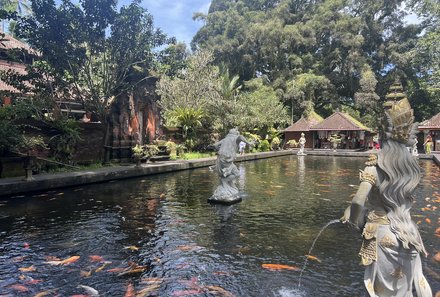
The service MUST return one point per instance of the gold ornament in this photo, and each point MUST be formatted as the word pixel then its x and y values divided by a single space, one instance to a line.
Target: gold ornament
pixel 402 118
pixel 372 160
pixel 367 177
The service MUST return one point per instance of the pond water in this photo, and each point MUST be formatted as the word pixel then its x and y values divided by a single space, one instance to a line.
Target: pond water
pixel 157 236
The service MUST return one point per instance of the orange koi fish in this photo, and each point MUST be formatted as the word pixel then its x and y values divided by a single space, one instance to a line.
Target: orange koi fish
pixel 64 262
pixel 279 267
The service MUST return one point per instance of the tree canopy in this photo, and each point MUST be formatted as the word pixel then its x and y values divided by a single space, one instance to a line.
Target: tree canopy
pixel 328 43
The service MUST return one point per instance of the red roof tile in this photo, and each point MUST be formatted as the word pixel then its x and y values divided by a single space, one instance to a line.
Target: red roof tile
pixel 432 123
pixel 339 121
pixel 5 66
pixel 9 42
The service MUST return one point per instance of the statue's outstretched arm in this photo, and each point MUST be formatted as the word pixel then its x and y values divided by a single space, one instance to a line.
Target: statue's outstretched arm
pixel 241 138
pixel 218 144
pixel 355 213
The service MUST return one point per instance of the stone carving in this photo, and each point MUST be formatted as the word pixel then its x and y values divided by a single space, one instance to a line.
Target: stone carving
pixel 302 143
pixel 414 150
pixel 335 139
pixel 392 246
pixel 227 192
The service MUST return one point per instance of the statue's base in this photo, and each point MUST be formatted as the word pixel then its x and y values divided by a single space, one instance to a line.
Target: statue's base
pixel 225 201
pixel 226 193
pixel 301 154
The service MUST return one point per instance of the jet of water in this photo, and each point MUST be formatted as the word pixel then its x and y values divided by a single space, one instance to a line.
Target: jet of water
pixel 313 245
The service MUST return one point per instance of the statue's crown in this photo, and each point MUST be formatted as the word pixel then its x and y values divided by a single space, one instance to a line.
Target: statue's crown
pixel 401 118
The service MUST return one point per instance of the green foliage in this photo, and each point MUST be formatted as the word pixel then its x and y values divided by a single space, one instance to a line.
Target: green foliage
pixel 9 133
pixel 138 151
pixel 63 144
pixel 172 149
pixel 89 51
pixel 264 146
pixel 293 143
pixel 275 143
pixel 261 107
pixel 196 155
pixel 30 143
pixel 194 88
pixel 144 151
pixel 12 126
pixel 318 50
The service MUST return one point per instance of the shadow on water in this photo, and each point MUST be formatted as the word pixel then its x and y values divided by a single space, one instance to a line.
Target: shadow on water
pixel 187 246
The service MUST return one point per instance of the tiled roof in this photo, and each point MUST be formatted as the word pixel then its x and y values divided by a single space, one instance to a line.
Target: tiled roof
pixel 5 66
pixel 9 42
pixel 340 121
pixel 304 124
pixel 432 123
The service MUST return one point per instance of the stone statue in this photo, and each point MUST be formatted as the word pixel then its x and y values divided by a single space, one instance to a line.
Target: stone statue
pixel 335 139
pixel 414 150
pixel 302 143
pixel 227 191
pixel 392 245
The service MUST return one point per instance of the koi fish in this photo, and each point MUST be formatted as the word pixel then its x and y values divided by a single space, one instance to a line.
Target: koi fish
pixel 117 269
pixel 279 267
pixel 130 291
pixel 44 293
pixel 84 273
pixel 19 288
pixel 181 293
pixel 437 257
pixel 28 269
pixel 220 291
pixel 313 258
pixel 64 262
pixel 95 258
pixel 102 267
pixel 131 248
pixel 148 290
pixel 92 292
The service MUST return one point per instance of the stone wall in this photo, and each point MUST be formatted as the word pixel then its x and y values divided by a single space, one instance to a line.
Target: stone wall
pixel 91 148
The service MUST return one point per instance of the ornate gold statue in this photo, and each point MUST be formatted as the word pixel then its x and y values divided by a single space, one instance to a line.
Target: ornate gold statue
pixel 392 244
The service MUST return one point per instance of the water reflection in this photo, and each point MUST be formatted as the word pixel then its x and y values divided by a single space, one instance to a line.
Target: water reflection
pixel 301 170
pixel 164 223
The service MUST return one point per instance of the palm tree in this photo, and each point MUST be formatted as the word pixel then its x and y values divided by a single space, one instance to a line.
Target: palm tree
pixel 189 120
pixel 22 7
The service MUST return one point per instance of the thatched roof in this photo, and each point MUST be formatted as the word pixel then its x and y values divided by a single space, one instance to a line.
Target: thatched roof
pixel 340 121
pixel 304 124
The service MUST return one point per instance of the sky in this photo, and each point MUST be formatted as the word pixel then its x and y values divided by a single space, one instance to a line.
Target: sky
pixel 174 17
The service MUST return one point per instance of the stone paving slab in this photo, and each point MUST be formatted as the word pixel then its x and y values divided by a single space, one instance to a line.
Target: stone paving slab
pixel 44 182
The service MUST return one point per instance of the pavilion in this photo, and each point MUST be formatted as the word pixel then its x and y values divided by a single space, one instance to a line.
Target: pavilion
pixel 432 127
pixel 303 126
pixel 354 134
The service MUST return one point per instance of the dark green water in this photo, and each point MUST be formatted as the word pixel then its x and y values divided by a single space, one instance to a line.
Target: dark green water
pixel 188 247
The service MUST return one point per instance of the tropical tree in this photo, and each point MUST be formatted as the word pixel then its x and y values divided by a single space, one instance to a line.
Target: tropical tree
pixel 90 52
pixel 262 109
pixel 326 42
pixel 20 7
pixel 193 88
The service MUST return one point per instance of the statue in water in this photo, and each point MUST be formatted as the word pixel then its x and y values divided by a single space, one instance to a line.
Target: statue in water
pixel 302 143
pixel 392 246
pixel 227 191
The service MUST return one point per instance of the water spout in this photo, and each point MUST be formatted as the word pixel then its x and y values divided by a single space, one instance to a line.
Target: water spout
pixel 313 245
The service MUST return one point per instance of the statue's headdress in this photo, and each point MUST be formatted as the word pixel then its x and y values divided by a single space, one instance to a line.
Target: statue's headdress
pixel 400 124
